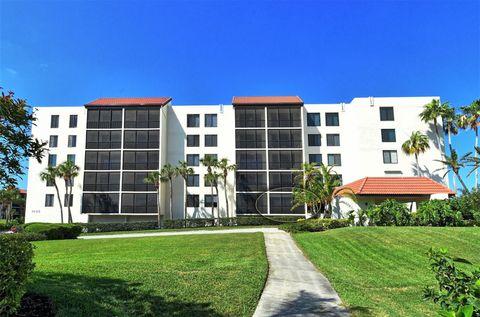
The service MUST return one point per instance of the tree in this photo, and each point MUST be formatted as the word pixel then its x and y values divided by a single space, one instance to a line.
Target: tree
pixel 212 179
pixel 416 144
pixel 431 112
pixel 470 119
pixel 50 175
pixel 475 160
pixel 68 171
pixel 331 188
pixel 210 163
pixel 449 118
pixel 154 178
pixel 225 167
pixel 184 171
pixel 454 164
pixel 167 174
pixel 16 142
pixel 8 197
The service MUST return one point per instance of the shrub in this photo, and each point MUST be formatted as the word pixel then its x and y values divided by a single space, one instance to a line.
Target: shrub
pixel 189 223
pixel 437 213
pixel 315 225
pixel 15 268
pixel 389 213
pixel 264 221
pixel 118 226
pixel 34 236
pixel 468 205
pixel 54 231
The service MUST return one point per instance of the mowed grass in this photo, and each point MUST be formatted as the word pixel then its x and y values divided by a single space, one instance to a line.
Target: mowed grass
pixel 212 275
pixel 383 271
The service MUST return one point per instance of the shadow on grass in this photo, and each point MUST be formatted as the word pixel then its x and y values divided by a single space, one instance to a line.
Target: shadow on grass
pixel 79 295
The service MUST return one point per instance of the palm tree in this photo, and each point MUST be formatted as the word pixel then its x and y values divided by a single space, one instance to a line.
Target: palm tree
pixel 431 112
pixel 454 164
pixel 210 163
pixel 470 119
pixel 184 171
pixel 475 161
pixel 68 171
pixel 416 144
pixel 224 167
pixel 50 175
pixel 212 179
pixel 450 126
pixel 9 196
pixel 154 178
pixel 167 174
pixel 331 188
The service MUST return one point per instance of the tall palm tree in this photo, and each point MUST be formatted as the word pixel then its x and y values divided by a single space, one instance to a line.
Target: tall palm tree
pixel 475 161
pixel 470 119
pixel 68 171
pixel 154 178
pixel 49 175
pixel 212 179
pixel 167 174
pixel 184 171
pixel 416 145
pixel 449 118
pixel 431 112
pixel 454 164
pixel 210 163
pixel 225 168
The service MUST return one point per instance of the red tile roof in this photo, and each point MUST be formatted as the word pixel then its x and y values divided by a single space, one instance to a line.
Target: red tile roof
pixel 266 100
pixel 398 186
pixel 130 101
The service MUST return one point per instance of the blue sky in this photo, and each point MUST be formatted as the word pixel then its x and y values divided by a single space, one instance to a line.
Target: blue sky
pixel 204 52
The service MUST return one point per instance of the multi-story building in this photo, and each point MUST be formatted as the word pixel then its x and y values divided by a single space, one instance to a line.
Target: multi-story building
pixel 116 142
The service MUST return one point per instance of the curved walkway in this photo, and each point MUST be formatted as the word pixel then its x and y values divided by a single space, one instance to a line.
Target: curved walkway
pixel 294 286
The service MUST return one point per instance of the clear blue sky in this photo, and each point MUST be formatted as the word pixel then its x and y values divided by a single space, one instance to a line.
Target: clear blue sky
pixel 204 52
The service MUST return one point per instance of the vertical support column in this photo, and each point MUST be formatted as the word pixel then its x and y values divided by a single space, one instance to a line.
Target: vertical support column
pixel 267 161
pixel 121 163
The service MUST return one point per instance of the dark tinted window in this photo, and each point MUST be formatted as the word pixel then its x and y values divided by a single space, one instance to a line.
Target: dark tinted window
pixel 142 118
pixel 333 139
pixel 251 181
pixel 193 201
pixel 315 158
pixel 210 200
pixel 331 119
pixel 282 204
pixel 193 120
pixel 193 159
pixel 334 159
pixel 104 118
pixel 193 140
pixel 250 138
pixel 52 159
pixel 53 142
pixel 284 138
pixel 54 121
pixel 134 181
pixel 284 117
pixel 141 139
pixel 251 203
pixel 100 203
pixel 140 160
pixel 281 181
pixel 72 141
pixel 390 157
pixel 314 140
pixel 102 160
pixel 313 119
pixel 284 160
pixel 386 114
pixel 210 120
pixel 101 181
pixel 49 199
pixel 388 135
pixel 251 160
pixel 103 139
pixel 210 140
pixel 139 203
pixel 193 180
pixel 73 121
pixel 249 117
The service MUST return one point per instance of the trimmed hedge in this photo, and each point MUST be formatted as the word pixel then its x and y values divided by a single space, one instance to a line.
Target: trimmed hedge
pixel 15 268
pixel 389 213
pixel 315 225
pixel 54 231
pixel 118 226
pixel 262 221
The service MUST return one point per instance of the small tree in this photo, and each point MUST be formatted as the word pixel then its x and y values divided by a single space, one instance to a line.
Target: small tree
pixel 454 164
pixel 68 171
pixel 416 144
pixel 184 171
pixel 210 163
pixel 154 178
pixel 50 175
pixel 167 174
pixel 225 168
pixel 8 197
pixel 212 179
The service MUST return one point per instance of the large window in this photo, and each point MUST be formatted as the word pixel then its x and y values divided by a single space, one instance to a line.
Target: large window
pixel 102 160
pixel 251 203
pixel 390 157
pixel 104 118
pixel 101 181
pixel 282 204
pixel 193 159
pixel 388 135
pixel 315 158
pixel 313 119
pixel 249 117
pixel 140 160
pixel 193 201
pixel 210 200
pixel 334 159
pixel 284 160
pixel 314 140
pixel 142 118
pixel 53 141
pixel 193 120
pixel 104 139
pixel 142 139
pixel 210 140
pixel 251 181
pixel 139 203
pixel 49 199
pixel 250 138
pixel 193 140
pixel 331 119
pixel 251 160
pixel 72 141
pixel 284 138
pixel 54 118
pixel 193 180
pixel 210 120
pixel 73 121
pixel 52 159
pixel 284 116
pixel 333 139
pixel 100 203
pixel 386 114
pixel 281 181
pixel 135 181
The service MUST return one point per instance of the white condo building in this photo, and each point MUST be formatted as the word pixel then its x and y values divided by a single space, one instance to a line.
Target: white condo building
pixel 116 142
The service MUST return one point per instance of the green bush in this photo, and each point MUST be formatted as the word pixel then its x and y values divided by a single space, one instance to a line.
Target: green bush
pixel 265 221
pixel 15 268
pixel 54 231
pixel 468 205
pixel 189 223
pixel 33 236
pixel 389 213
pixel 315 225
pixel 437 213
pixel 118 226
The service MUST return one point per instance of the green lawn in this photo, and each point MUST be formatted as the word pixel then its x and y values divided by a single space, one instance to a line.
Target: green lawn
pixel 382 271
pixel 214 275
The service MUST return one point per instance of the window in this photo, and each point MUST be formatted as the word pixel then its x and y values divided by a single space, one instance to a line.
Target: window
pixel 54 121
pixel 102 160
pixel 285 159
pixel 314 140
pixel 212 156
pixel 210 140
pixel 193 140
pixel 49 198
pixel 386 114
pixel 388 135
pixel 281 181
pixel 313 119
pixel 104 118
pixel 193 120
pixel 315 158
pixel 134 181
pixel 211 200
pixel 53 142
pixel 52 159
pixel 251 181
pixel 334 159
pixel 72 141
pixel 331 119
pixel 71 158
pixel 141 139
pixel 101 181
pixel 284 138
pixel 193 159
pixel 140 160
pixel 73 121
pixel 249 117
pixel 193 180
pixel 206 181
pixel 142 118
pixel 98 139
pixel 193 201
pixel 210 120
pixel 100 203
pixel 49 183
pixel 390 157
pixel 250 138
pixel 251 160
pixel 282 204
pixel 333 139
pixel 68 200
pixel 251 203
pixel 284 116
pixel 142 203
